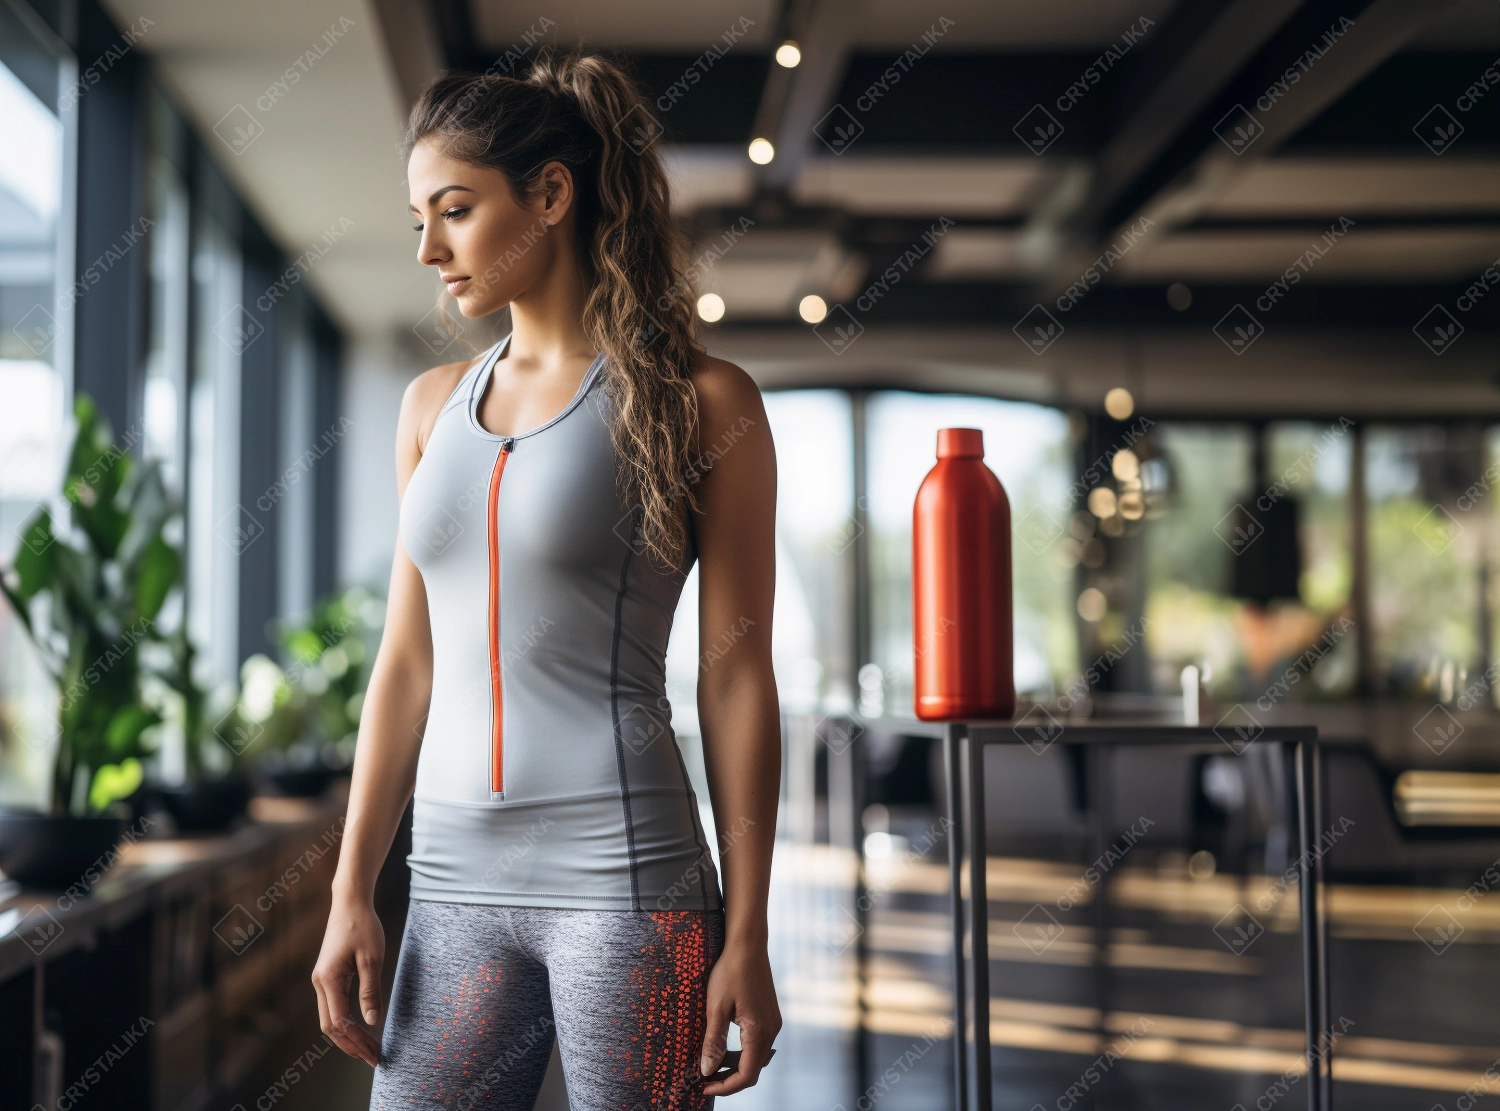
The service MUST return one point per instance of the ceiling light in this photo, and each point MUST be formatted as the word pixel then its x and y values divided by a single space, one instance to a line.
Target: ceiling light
pixel 711 307
pixel 1118 403
pixel 1125 465
pixel 812 308
pixel 761 151
pixel 1092 605
pixel 788 54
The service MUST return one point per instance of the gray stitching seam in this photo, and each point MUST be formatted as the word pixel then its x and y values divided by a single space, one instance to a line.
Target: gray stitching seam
pixel 614 705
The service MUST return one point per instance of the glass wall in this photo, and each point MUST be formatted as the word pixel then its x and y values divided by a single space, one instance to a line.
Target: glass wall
pixel 35 299
pixel 180 303
pixel 1432 551
pixel 810 636
pixel 1191 554
pixel 214 539
pixel 302 445
pixel 166 369
pixel 1432 555
pixel 814 533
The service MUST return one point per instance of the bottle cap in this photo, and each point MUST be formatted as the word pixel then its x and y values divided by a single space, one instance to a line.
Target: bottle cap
pixel 960 441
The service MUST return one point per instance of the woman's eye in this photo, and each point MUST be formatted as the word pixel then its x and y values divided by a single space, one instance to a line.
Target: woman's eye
pixel 451 214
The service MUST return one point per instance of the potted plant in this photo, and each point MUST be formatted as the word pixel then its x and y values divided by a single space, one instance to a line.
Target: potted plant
pixel 332 653
pixel 273 713
pixel 87 589
pixel 215 790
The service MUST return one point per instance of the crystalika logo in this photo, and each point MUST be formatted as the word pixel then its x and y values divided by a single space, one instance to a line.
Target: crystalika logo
pixel 1038 129
pixel 1438 129
pixel 1238 329
pixel 1038 329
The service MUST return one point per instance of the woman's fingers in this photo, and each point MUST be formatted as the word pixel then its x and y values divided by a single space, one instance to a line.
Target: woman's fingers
pixel 755 1047
pixel 335 1020
pixel 353 947
pixel 325 1018
pixel 338 1013
pixel 755 1050
pixel 369 986
pixel 716 1036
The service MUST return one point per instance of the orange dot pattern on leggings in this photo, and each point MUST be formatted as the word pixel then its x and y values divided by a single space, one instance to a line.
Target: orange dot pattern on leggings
pixel 459 1036
pixel 670 1014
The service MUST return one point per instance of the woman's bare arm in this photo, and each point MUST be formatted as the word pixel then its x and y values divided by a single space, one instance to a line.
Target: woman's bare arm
pixel 385 762
pixel 738 709
pixel 396 701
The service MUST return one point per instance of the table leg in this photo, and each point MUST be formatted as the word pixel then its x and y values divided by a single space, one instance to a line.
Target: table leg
pixel 979 919
pixel 951 736
pixel 1314 984
pixel 1320 902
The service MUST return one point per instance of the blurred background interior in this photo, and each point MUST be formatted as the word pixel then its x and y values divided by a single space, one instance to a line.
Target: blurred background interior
pixel 1218 280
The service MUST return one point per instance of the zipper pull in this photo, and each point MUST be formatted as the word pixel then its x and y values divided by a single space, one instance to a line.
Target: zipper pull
pixel 507 442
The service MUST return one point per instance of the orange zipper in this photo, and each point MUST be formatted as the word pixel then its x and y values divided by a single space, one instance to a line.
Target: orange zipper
pixel 497 739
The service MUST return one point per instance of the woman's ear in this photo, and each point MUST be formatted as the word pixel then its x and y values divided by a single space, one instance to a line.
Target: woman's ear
pixel 556 195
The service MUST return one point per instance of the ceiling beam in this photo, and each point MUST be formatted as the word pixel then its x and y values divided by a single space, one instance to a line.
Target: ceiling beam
pixel 1212 42
pixel 796 99
pixel 1184 176
pixel 412 45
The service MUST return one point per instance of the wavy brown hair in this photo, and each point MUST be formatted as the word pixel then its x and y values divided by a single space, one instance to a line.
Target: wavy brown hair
pixel 585 111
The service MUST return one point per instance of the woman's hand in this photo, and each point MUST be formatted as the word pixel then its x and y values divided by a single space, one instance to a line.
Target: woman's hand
pixel 354 945
pixel 740 988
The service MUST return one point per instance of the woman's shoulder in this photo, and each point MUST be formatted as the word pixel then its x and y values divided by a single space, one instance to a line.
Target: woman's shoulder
pixel 720 383
pixel 427 395
pixel 729 402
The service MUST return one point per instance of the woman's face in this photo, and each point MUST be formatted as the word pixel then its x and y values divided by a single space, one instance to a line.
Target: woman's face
pixel 488 249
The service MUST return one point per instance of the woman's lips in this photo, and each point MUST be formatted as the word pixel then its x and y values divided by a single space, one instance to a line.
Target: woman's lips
pixel 457 285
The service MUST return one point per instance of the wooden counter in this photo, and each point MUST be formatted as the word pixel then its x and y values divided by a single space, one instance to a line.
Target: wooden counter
pixel 162 987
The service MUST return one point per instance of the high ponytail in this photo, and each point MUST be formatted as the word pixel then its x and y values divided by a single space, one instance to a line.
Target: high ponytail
pixel 584 111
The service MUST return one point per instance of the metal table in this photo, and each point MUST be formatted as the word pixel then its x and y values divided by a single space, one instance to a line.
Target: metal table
pixel 963 754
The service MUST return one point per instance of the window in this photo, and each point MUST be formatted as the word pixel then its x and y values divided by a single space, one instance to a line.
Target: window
pixel 814 528
pixel 35 363
pixel 1431 554
pixel 214 540
pixel 166 371
pixel 815 484
pixel 302 445
pixel 1195 616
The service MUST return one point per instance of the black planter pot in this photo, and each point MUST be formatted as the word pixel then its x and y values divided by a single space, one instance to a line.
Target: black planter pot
pixel 205 805
pixel 39 850
pixel 301 782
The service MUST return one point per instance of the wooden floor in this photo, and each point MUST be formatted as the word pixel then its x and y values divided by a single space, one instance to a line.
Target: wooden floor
pixel 1186 1021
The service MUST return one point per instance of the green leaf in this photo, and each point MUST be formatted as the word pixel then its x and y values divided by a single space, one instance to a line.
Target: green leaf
pixel 305 646
pixel 156 573
pixel 97 470
pixel 77 589
pixel 103 522
pixel 150 506
pixel 34 555
pixel 124 733
pixel 115 781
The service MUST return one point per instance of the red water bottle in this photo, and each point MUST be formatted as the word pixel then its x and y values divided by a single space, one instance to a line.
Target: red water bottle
pixel 961 590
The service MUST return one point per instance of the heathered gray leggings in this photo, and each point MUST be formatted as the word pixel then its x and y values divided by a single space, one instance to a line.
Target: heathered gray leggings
pixel 479 990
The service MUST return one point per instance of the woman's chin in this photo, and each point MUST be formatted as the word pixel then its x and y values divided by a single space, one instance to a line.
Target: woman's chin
pixel 471 308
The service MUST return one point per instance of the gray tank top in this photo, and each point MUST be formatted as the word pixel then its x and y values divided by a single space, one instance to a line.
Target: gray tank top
pixel 549 774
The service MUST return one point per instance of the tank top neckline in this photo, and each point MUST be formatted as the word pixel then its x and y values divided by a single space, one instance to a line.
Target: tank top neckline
pixel 482 379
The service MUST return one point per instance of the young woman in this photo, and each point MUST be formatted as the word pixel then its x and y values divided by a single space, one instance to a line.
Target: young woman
pixel 554 494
